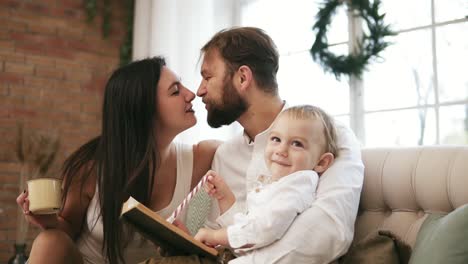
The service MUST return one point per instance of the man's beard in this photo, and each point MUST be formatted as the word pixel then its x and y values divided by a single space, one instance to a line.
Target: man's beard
pixel 230 109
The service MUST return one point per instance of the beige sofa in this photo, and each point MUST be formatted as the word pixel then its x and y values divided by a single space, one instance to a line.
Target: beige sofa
pixel 402 186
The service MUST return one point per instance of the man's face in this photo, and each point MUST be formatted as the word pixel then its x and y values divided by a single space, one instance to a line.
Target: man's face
pixel 222 100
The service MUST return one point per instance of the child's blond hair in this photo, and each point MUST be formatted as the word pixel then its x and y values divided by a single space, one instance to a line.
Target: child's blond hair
pixel 329 130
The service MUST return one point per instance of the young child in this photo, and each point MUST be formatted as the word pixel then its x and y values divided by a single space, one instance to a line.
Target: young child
pixel 301 146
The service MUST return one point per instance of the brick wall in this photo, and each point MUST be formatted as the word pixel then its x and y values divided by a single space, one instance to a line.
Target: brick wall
pixel 53 68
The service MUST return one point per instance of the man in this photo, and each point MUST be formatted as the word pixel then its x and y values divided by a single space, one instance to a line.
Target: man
pixel 239 69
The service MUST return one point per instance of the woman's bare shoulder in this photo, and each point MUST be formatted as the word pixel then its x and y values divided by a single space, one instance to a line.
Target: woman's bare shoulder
pixel 203 154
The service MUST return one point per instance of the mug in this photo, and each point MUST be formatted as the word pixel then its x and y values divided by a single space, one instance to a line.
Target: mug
pixel 45 195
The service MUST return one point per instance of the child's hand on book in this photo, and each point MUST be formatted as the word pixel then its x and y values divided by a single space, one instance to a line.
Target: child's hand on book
pixel 205 236
pixel 211 237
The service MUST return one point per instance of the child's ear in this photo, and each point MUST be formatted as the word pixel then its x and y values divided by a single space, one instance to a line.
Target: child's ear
pixel 324 162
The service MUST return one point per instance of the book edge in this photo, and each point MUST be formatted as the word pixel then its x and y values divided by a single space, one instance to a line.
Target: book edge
pixel 131 203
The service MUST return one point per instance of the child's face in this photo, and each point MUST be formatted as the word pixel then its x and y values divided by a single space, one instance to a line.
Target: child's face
pixel 293 145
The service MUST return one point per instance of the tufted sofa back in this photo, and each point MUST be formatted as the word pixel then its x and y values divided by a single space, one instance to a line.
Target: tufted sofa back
pixel 402 186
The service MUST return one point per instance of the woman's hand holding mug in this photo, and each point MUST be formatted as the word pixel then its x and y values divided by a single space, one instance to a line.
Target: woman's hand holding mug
pixel 43 221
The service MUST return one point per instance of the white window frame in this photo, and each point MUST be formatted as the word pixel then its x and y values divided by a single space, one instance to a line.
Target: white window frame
pixel 357 112
pixel 357 109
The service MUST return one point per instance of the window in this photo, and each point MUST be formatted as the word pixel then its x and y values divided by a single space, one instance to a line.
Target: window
pixel 417 94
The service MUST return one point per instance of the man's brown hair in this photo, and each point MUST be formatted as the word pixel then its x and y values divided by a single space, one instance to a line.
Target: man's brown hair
pixel 248 46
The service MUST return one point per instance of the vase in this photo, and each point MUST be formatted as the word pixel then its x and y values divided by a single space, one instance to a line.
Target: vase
pixel 20 255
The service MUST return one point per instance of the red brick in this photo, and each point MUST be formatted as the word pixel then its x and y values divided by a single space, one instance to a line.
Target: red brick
pixel 8 178
pixel 71 32
pixel 42 29
pixel 56 116
pixel 67 106
pixel 91 108
pixel 71 4
pixel 12 4
pixel 56 22
pixel 48 41
pixel 13 25
pixel 4 11
pixel 30 48
pixel 82 75
pixel 6 255
pixel 4 34
pixel 72 86
pixel 19 68
pixel 61 53
pixel 25 90
pixel 67 64
pixel 7 45
pixel 7 155
pixel 12 56
pixel 48 72
pixel 11 101
pixel 38 81
pixel 23 112
pixel 40 60
pixel 39 102
pixel 9 167
pixel 11 234
pixel 10 77
pixel 53 94
pixel 68 13
pixel 4 90
pixel 97 84
pixel 27 37
pixel 37 8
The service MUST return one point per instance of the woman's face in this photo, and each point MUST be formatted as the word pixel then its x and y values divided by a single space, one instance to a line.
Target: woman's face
pixel 174 110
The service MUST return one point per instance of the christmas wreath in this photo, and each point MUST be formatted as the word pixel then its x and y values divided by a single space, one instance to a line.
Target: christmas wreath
pixel 369 46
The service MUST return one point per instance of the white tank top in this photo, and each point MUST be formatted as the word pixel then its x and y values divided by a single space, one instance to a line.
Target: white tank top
pixel 91 239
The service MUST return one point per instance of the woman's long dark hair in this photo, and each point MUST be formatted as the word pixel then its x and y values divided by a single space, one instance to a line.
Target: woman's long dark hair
pixel 124 156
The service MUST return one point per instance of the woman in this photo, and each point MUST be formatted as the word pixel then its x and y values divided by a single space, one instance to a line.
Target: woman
pixel 145 108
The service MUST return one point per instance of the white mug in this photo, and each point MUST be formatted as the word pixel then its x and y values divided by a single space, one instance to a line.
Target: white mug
pixel 45 195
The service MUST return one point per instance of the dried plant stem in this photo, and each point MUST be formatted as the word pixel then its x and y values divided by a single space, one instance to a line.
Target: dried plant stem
pixel 36 152
pixel 23 227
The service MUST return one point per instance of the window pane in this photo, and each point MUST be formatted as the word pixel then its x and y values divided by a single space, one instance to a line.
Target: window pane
pixel 302 81
pixel 452 55
pixel 290 25
pixel 401 128
pixel 405 77
pixel 404 14
pixel 450 9
pixel 454 124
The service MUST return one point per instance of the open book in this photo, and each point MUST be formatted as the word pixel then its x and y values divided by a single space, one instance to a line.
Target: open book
pixel 161 232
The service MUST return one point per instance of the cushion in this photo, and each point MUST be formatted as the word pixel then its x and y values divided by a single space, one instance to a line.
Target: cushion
pixel 378 247
pixel 443 239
